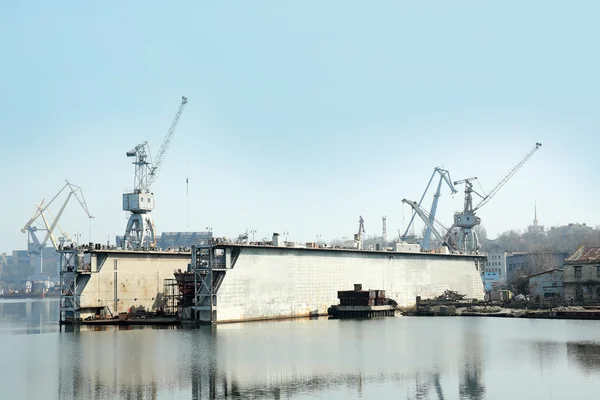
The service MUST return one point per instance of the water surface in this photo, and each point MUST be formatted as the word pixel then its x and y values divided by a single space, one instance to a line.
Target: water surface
pixel 402 357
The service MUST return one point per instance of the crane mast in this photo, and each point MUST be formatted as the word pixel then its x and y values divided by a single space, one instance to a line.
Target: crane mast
pixel 384 231
pixel 361 230
pixel 140 231
pixel 444 177
pixel 466 220
pixel 50 224
pixel 429 222
pixel 42 215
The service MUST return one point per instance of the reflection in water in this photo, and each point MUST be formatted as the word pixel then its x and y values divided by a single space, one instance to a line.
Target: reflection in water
pixel 471 384
pixel 438 386
pixel 390 358
pixel 201 364
pixel 586 355
pixel 547 352
pixel 29 316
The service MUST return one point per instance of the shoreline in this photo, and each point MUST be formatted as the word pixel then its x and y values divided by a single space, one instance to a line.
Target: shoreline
pixel 562 312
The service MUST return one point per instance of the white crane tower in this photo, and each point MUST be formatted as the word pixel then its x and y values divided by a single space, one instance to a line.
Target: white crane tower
pixel 140 231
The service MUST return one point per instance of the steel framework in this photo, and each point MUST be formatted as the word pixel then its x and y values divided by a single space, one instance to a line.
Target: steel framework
pixel 69 295
pixel 209 273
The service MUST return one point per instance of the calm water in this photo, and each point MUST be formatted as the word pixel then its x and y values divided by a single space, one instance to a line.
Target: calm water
pixel 403 358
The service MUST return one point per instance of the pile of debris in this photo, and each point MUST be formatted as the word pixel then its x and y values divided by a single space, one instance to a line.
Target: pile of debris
pixel 450 295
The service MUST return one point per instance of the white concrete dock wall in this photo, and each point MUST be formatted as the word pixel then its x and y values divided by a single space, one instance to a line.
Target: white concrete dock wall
pixel 139 280
pixel 270 282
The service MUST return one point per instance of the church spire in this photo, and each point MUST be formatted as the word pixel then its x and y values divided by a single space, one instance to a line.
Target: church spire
pixel 535 220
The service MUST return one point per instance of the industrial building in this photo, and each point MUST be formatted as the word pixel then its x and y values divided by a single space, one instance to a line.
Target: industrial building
pixel 520 265
pixel 496 263
pixel 582 276
pixel 20 266
pixel 546 286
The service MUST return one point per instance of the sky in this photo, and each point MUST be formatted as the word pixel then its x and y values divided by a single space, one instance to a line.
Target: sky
pixel 302 116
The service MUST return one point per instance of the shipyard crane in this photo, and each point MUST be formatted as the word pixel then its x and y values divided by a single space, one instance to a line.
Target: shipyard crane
pixel 465 221
pixel 444 177
pixel 43 216
pixel 35 245
pixel 384 231
pixel 140 228
pixel 361 230
pixel 430 222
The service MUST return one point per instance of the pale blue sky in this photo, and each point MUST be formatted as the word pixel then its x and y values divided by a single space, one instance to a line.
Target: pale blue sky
pixel 301 116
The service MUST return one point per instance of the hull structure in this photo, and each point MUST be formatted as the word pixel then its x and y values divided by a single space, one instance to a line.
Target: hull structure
pixel 264 282
pixel 250 282
pixel 109 282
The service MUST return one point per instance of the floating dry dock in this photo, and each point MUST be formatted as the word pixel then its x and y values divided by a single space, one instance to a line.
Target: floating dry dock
pixel 237 282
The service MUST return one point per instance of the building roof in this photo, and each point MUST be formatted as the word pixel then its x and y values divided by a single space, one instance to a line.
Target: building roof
pixel 584 255
pixel 545 272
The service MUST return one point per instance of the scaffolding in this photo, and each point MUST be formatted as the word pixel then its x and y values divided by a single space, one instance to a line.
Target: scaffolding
pixel 69 295
pixel 208 267
pixel 75 272
pixel 172 295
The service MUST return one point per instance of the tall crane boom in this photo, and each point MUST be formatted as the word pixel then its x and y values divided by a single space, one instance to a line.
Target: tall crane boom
pixel 140 230
pixel 507 177
pixel 166 143
pixel 444 177
pixel 37 245
pixel 466 220
pixel 429 222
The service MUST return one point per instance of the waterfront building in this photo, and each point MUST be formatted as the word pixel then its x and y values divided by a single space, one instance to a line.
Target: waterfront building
pixel 496 263
pixel 489 279
pixel 570 231
pixel 516 265
pixel 547 285
pixel 520 265
pixel 582 276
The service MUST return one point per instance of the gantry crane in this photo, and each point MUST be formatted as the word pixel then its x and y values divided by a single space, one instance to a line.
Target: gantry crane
pixel 444 177
pixel 42 216
pixel 465 221
pixel 430 223
pixel 35 245
pixel 140 231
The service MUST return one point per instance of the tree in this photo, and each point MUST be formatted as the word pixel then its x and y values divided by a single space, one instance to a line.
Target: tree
pixel 481 233
pixel 541 259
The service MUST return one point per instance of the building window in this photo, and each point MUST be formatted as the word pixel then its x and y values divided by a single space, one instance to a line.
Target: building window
pixel 598 272
pixel 578 273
